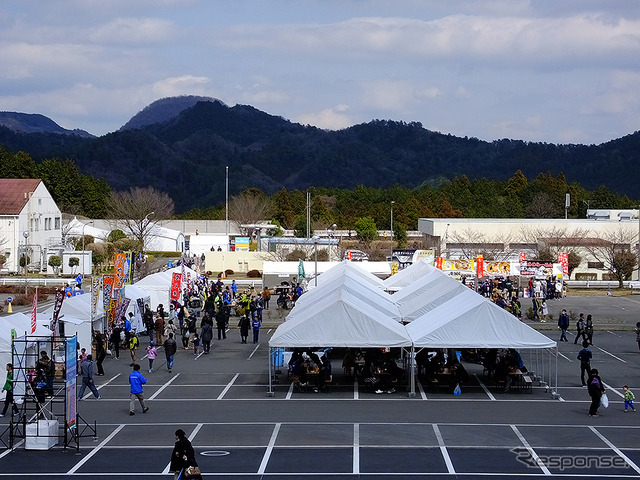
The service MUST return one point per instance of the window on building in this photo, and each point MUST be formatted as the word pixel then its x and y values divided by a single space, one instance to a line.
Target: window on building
pixel 57 224
pixel 595 265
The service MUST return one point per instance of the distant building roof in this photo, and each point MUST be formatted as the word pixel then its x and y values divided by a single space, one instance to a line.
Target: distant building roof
pixel 14 194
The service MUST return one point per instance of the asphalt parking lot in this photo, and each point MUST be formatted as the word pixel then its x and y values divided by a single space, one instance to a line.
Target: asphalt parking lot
pixel 239 432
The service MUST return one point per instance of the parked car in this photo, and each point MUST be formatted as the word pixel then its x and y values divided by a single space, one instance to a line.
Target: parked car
pixel 355 256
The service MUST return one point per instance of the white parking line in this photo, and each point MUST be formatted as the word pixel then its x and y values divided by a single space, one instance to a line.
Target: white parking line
pixel 531 451
pixel 611 389
pixel 99 387
pixel 267 453
pixel 615 449
pixel 422 392
pixel 290 392
pixel 611 354
pixel 443 449
pixel 95 450
pixel 356 448
pixel 254 351
pixel 356 391
pixel 163 387
pixel 226 389
pixel 486 390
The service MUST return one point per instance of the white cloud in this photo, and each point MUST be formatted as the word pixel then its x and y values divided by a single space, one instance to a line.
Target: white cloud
pixel 132 31
pixel 334 118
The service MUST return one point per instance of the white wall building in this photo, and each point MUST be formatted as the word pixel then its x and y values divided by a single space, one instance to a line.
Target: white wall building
pixel 505 238
pixel 30 221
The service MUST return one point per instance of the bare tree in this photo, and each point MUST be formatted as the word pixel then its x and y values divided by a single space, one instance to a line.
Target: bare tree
pixel 547 242
pixel 472 243
pixel 249 208
pixel 139 210
pixel 613 250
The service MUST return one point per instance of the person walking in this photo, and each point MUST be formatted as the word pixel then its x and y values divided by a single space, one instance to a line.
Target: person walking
pixel 595 389
pixel 588 330
pixel 585 356
pixel 266 297
pixel 170 349
pixel 115 340
pixel 159 326
pixel 629 397
pixel 100 352
pixel 221 321
pixel 256 324
pixel 133 348
pixel 206 335
pixel 86 367
pixel 580 325
pixel 244 323
pixel 136 380
pixel 183 455
pixel 563 324
pixel 152 353
pixel 8 388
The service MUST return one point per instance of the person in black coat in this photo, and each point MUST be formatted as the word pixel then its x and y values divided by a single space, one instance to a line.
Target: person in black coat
pixel 183 455
pixel 244 325
pixel 221 323
pixel 206 335
pixel 596 389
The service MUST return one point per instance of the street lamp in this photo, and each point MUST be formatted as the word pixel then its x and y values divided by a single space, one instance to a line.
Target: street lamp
pixel 315 254
pixel 83 254
pixel 392 202
pixel 26 251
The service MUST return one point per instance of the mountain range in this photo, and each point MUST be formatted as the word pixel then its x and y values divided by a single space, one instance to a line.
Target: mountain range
pixel 181 145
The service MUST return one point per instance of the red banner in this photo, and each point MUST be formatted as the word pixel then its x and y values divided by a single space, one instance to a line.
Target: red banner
pixel 523 257
pixel 439 262
pixel 175 286
pixel 479 266
pixel 34 308
pixel 563 259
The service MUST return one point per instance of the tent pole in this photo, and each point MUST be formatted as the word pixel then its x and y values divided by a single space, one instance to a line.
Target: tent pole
pixel 412 393
pixel 556 395
pixel 270 392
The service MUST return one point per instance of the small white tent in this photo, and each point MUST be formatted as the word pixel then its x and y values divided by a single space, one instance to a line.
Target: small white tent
pixel 471 321
pixel 75 314
pixel 351 283
pixel 407 276
pixel 342 320
pixel 357 269
pixel 158 285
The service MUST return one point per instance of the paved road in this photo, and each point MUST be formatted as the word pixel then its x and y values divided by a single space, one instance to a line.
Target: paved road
pixel 239 432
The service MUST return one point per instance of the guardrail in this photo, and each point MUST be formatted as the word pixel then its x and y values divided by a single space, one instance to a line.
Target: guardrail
pixel 45 282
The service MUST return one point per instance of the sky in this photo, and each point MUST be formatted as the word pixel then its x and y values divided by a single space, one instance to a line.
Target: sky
pixel 546 70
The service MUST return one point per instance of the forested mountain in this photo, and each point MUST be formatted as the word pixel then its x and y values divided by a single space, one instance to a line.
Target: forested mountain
pixel 184 149
pixel 35 123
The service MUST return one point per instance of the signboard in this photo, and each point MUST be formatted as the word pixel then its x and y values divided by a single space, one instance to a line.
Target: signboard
pixel 56 309
pixel 71 381
pixel 523 257
pixel 439 263
pixel 406 257
pixel 563 260
pixel 242 244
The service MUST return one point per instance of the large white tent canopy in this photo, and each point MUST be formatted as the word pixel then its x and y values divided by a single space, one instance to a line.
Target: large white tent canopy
pixel 158 285
pixel 407 276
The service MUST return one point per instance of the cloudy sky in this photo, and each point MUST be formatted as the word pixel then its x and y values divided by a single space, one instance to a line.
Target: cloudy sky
pixel 555 71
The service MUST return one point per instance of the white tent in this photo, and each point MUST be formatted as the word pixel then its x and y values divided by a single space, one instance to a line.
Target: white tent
pixel 342 320
pixel 354 268
pixel 351 283
pixel 157 285
pixel 471 321
pixel 407 276
pixel 75 314
pixel 164 239
pixel 21 323
pixel 76 228
pixel 426 293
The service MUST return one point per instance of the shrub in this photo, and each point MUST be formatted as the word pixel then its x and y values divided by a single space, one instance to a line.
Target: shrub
pixel 2 259
pixel 228 272
pixel 254 274
pixel 74 262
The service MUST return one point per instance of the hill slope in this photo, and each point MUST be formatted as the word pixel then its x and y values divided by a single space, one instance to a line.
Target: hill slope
pixel 185 154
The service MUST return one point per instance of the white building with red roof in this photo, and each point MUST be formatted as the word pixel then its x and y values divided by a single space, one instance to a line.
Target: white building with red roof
pixel 30 223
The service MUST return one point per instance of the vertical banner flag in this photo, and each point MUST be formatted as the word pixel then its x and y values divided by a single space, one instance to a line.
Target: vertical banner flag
pixel 439 263
pixel 56 308
pixel 128 268
pixel 70 367
pixel 175 286
pixel 34 308
pixel 119 271
pixel 350 256
pixel 96 283
pixel 480 266
pixel 523 257
pixel 107 296
pixel 563 260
